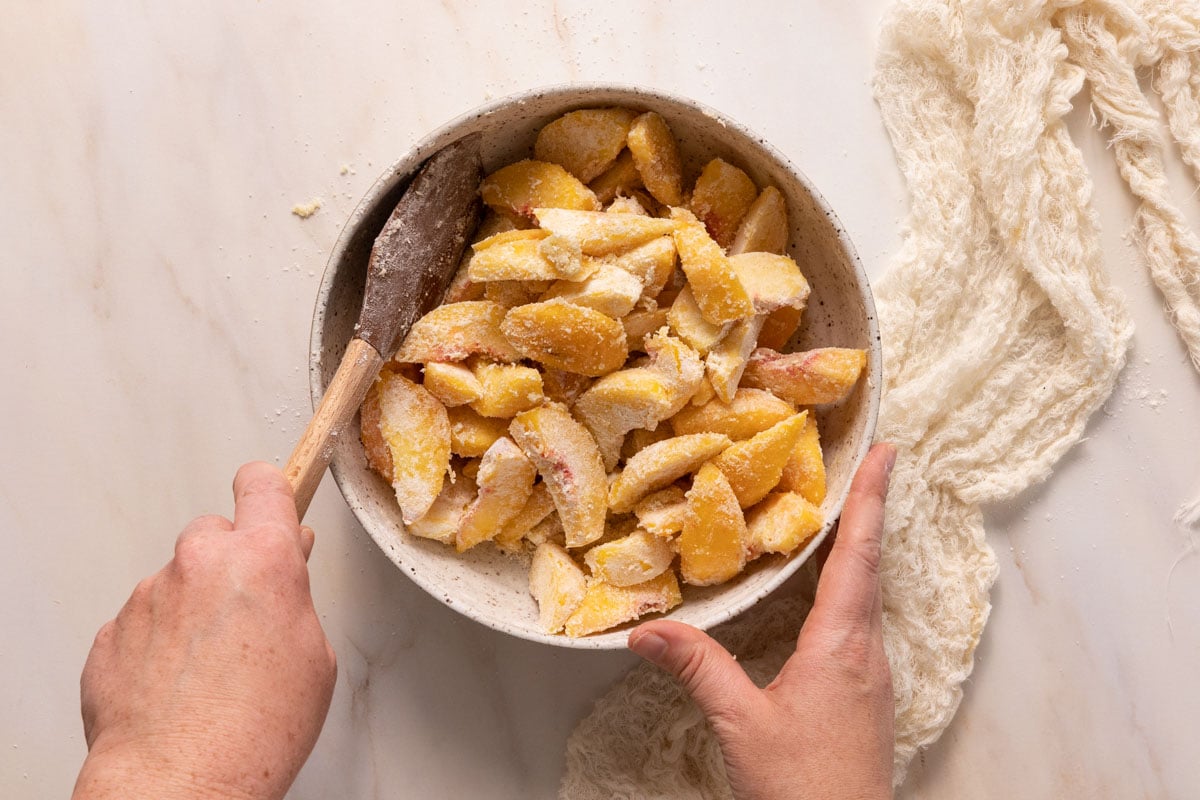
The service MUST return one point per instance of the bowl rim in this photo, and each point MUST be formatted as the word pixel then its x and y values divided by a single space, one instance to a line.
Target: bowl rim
pixel 402 167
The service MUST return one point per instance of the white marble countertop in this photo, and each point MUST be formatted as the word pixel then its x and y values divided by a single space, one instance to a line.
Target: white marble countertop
pixel 155 302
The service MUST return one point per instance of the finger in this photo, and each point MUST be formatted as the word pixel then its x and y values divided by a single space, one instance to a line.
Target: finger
pixel 848 590
pixel 307 538
pixel 715 681
pixel 262 496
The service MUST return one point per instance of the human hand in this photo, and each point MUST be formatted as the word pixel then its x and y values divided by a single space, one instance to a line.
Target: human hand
pixel 823 728
pixel 215 677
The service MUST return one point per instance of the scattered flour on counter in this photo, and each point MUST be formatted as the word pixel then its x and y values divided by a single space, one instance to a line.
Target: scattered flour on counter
pixel 306 210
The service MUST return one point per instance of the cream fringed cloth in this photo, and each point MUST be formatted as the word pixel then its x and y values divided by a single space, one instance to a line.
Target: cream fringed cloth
pixel 1001 337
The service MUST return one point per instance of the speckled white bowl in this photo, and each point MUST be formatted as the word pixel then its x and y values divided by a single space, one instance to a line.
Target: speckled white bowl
pixel 492 588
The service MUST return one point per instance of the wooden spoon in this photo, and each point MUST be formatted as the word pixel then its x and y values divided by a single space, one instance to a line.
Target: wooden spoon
pixel 412 262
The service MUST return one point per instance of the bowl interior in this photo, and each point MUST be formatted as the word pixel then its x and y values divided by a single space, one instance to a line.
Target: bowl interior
pixel 493 588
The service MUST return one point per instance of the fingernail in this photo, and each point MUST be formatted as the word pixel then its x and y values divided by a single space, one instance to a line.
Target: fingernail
pixel 649 646
pixel 891 459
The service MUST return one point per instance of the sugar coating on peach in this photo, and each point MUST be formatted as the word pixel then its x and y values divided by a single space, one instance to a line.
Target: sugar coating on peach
pixel 750 412
pixel 442 520
pixel 726 361
pixel 539 506
pixel 720 199
pixel 521 187
pixel 662 512
pixel 772 281
pixel 754 466
pixel 712 544
pixel 678 364
pixel 601 234
pixel 584 142
pixel 641 323
pixel 567 458
pixel 519 259
pixel 620 402
pixel 565 336
pixel 505 480
pixel 605 606
pixel 627 205
pixel 617 181
pixel 630 560
pixel 719 294
pixel 781 522
pixel 417 431
pixel 452 384
pixel 549 529
pixel 661 464
pixel 557 584
pixel 508 389
pixel 471 433
pixel 656 156
pixel 765 228
pixel 804 472
pixel 689 324
pixel 456 331
pixel 511 294
pixel 653 263
pixel 825 375
pixel 611 290
pixel 639 439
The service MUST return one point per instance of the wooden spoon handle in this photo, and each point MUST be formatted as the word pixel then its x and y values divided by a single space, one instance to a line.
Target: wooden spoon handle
pixel 345 394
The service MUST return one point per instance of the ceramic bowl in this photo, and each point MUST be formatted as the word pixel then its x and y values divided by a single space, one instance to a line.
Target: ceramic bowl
pixel 486 585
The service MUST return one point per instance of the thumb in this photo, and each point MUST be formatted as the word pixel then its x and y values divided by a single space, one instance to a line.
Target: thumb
pixel 710 675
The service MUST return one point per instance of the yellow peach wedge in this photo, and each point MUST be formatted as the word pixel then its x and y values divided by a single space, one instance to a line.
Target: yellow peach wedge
pixel 772 281
pixel 557 584
pixel 678 364
pixel 779 327
pixel 825 375
pixel 508 389
pixel 518 259
pixel 585 142
pixel 661 464
pixel 804 472
pixel 602 234
pixel 764 229
pixel 472 434
pixel 565 336
pixel 750 412
pixel 452 384
pixel 653 263
pixel 619 180
pixel 782 522
pixel 505 480
pixel 640 324
pixel 719 294
pixel 455 331
pixel 689 324
pixel 754 466
pixel 417 431
pixel 630 560
pixel 620 402
pixel 722 196
pixel 712 545
pixel 656 156
pixel 640 438
pixel 663 512
pixel 521 187
pixel 610 290
pixel 568 258
pixel 441 521
pixel 539 506
pixel 726 361
pixel 569 462
pixel 605 606
pixel 379 458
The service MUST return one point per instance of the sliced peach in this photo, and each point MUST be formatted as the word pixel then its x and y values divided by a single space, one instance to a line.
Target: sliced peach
pixel 539 506
pixel 640 438
pixel 712 545
pixel 521 187
pixel 565 336
pixel 511 294
pixel 722 196
pixel 508 389
pixel 772 281
pixel 754 466
pixel 804 472
pixel 678 364
pixel 661 464
pixel 630 560
pixel 610 290
pixel 662 512
pixel 618 180
pixel 564 387
pixel 568 258
pixel 379 458
pixel 602 234
pixel 779 327
pixel 557 584
pixel 505 481
pixel 506 237
pixel 569 462
pixel 585 142
pixel 726 361
pixel 719 293
pixel 472 434
pixel 605 606
pixel 689 324
pixel 417 431
pixel 765 228
pixel 517 259
pixel 640 324
pixel 452 384
pixel 750 412
pixel 656 155
pixel 620 402
pixel 653 263
pixel 455 331
pixel 441 521
pixel 825 375
pixel 782 522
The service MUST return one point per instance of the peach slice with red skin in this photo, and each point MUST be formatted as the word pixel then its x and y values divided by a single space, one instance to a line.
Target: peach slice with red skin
pixel 722 196
pixel 456 331
pixel 505 481
pixel 417 431
pixel 825 375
